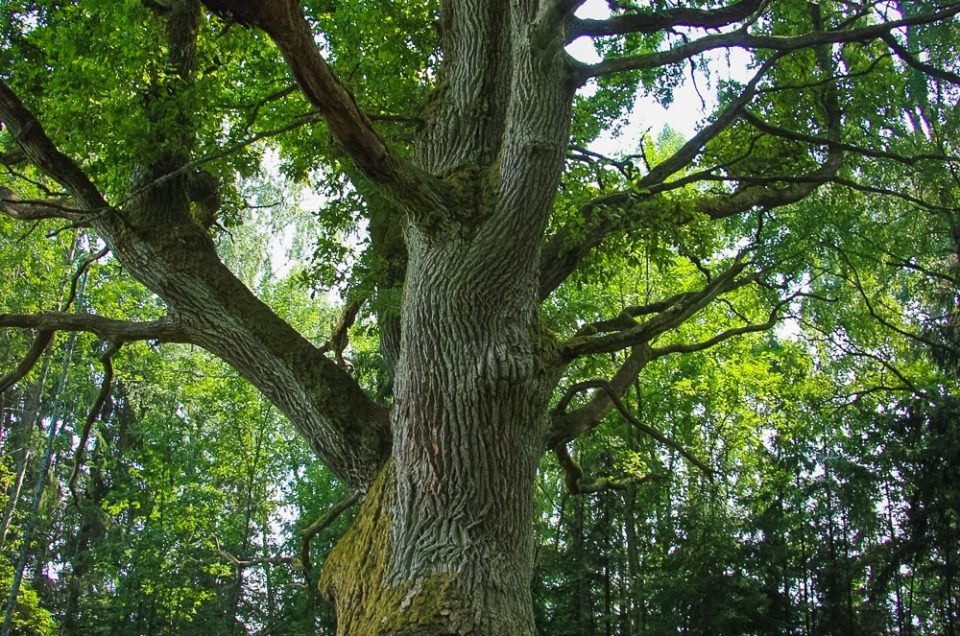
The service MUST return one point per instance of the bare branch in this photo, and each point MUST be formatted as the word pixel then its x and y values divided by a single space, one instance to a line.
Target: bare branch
pixel 783 133
pixel 240 564
pixel 614 397
pixel 695 144
pixel 561 254
pixel 659 352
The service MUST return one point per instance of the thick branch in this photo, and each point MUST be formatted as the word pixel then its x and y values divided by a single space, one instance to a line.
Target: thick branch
pixel 662 20
pixel 177 260
pixel 118 331
pixel 29 134
pixel 284 22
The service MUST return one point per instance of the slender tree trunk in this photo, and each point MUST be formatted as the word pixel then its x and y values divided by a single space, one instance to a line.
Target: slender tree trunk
pixel 583 598
pixel 14 495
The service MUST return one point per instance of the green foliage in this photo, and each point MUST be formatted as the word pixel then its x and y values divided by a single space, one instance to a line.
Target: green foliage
pixel 834 437
pixel 30 618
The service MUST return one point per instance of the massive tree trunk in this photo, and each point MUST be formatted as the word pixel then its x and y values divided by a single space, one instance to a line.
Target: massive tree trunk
pixel 443 544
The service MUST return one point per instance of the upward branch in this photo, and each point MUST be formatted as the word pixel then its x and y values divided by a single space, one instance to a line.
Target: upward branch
pixel 284 22
pixel 41 151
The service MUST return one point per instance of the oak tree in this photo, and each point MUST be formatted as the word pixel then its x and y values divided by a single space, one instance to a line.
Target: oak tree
pixel 456 136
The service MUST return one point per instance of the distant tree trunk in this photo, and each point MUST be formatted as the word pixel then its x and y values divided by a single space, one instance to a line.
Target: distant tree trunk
pixel 14 495
pixel 583 598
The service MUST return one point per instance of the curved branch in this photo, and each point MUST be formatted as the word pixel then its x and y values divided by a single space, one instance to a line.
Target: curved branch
pixel 107 360
pixel 307 534
pixel 41 151
pixel 81 269
pixel 689 151
pixel 573 476
pixel 338 339
pixel 678 311
pixel 659 352
pixel 923 67
pixel 29 361
pixel 562 254
pixel 567 426
pixel 240 564
pixel 614 397
pixel 783 133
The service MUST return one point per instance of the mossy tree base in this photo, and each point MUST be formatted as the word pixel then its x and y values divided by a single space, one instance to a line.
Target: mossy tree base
pixel 372 601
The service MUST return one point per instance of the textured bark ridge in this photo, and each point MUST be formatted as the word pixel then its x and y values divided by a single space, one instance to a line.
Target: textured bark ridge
pixel 356 576
pixel 372 599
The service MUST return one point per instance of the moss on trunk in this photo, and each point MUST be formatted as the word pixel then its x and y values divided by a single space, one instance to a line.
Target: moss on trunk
pixel 355 576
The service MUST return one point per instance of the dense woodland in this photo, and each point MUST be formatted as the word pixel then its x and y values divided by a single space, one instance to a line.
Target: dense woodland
pixel 784 461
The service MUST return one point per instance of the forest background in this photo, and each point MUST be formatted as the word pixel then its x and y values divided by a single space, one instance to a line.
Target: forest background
pixel 796 476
